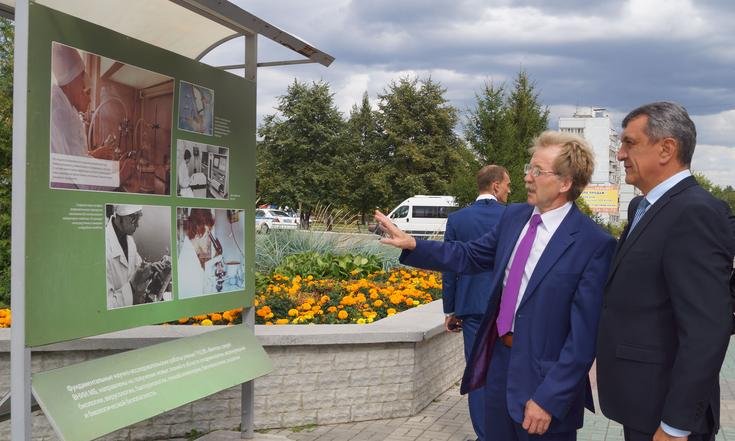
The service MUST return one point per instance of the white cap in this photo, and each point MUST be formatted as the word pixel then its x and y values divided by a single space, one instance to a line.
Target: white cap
pixel 127 210
pixel 66 63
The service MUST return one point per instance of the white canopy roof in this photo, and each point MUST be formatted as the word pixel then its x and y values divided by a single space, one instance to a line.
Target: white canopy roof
pixel 190 28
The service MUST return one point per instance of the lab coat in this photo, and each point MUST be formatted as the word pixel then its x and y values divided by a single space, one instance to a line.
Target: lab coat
pixel 184 182
pixel 119 270
pixel 193 280
pixel 68 135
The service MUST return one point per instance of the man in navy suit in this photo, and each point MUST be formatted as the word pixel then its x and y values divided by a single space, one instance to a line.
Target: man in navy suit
pixel 465 297
pixel 536 343
pixel 667 316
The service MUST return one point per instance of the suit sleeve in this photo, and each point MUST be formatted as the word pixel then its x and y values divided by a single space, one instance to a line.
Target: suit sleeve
pixel 696 266
pixel 449 278
pixel 459 257
pixel 559 389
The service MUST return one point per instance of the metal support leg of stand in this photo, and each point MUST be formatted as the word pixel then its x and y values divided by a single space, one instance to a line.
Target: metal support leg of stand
pixel 247 403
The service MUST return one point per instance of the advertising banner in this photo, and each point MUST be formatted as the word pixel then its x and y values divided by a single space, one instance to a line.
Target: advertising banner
pixel 91 399
pixel 601 198
pixel 140 183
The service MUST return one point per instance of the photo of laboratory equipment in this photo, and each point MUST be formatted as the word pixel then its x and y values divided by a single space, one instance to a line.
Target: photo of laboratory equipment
pixel 138 254
pixel 110 124
pixel 210 257
pixel 196 108
pixel 202 170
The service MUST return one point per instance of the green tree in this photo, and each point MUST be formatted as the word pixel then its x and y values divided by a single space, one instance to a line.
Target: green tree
pixel 366 161
pixel 502 125
pixel 298 155
pixel 6 148
pixel 726 194
pixel 418 128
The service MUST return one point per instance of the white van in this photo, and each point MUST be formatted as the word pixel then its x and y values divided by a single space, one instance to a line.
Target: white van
pixel 423 215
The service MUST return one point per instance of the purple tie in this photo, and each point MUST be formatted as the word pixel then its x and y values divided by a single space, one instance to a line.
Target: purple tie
pixel 515 275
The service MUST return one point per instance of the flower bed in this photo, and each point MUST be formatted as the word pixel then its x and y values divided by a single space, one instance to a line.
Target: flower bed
pixel 5 318
pixel 300 300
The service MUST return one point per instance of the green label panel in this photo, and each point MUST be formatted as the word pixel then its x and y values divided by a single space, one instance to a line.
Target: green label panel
pixel 90 399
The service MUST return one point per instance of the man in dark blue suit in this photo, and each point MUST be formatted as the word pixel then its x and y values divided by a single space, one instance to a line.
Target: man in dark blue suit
pixel 536 343
pixel 667 319
pixel 465 297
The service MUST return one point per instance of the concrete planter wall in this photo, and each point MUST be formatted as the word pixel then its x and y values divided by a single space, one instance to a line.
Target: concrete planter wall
pixel 323 374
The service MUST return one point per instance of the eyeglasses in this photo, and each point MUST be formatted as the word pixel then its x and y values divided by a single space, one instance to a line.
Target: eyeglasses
pixel 535 171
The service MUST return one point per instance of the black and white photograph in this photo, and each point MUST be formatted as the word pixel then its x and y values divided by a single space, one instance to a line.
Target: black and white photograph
pixel 202 170
pixel 138 254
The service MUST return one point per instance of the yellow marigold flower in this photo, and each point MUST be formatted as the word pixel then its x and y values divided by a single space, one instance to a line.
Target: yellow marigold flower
pixel 370 320
pixel 416 303
pixel 324 299
pixel 268 323
pixel 269 316
pixel 207 322
pixel 374 294
pixel 342 315
pixel 378 303
pixel 354 271
pixel 255 302
pixel 282 321
pixel 361 321
pixel 309 277
pixel 264 311
pixel 391 311
pixel 183 320
pixel 332 309
pixel 293 312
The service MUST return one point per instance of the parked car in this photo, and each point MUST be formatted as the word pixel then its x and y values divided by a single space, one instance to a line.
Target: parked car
pixel 267 219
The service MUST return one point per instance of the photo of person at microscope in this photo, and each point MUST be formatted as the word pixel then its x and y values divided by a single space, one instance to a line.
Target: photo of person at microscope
pixel 110 124
pixel 137 255
pixel 202 170
pixel 210 251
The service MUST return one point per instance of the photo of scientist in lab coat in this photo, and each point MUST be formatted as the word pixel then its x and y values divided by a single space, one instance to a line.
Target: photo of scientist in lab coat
pixel 110 125
pixel 132 279
pixel 202 170
pixel 210 258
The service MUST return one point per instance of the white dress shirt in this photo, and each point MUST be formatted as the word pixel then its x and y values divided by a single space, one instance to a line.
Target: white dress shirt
pixel 550 222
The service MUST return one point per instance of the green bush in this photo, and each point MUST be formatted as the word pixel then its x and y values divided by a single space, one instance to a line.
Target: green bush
pixel 329 265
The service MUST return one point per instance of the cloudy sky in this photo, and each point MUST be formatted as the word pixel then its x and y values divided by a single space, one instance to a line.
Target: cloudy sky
pixel 614 54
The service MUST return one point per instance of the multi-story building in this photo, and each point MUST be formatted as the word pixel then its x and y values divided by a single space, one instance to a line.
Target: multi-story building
pixel 605 193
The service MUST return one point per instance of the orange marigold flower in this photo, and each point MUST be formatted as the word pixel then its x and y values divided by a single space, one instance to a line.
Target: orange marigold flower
pixel 306 306
pixel 332 309
pixel 282 321
pixel 342 315
pixel 215 317
pixel 183 320
pixel 293 312
pixel 378 303
pixel 391 311
pixel 201 317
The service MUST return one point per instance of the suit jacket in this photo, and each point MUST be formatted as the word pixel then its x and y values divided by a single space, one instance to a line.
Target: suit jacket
pixel 667 315
pixel 556 321
pixel 468 294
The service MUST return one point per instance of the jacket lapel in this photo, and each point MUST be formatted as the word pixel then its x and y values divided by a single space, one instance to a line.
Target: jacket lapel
pixel 626 243
pixel 562 239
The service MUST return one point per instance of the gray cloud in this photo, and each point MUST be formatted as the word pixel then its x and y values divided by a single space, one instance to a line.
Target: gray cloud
pixel 616 54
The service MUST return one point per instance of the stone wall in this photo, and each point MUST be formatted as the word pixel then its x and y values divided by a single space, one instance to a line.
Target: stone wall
pixel 323 374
